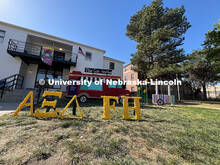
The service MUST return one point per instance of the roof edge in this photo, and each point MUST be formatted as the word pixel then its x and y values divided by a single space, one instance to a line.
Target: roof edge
pixel 126 65
pixel 49 35
pixel 113 59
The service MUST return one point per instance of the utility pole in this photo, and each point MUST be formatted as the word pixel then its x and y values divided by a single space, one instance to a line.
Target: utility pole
pixel 178 87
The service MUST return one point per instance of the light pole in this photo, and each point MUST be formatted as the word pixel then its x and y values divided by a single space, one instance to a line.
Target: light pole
pixel 178 87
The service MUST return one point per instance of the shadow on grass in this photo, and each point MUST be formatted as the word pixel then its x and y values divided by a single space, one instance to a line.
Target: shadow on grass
pixel 99 120
pixel 145 107
pixel 85 119
pixel 190 102
pixel 88 120
pixel 198 102
pixel 148 121
pixel 90 103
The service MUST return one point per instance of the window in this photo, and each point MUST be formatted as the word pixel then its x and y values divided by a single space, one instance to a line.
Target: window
pixel 111 86
pixel 88 56
pixel 132 89
pixel 112 65
pixel 93 86
pixel 126 78
pixel 132 77
pixel 119 86
pixel 132 66
pixel 59 55
pixel 41 74
pixel 126 69
pixel 57 76
pixel 2 36
pixel 50 74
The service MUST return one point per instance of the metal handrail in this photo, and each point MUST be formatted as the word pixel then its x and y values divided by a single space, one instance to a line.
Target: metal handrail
pixel 35 49
pixel 9 84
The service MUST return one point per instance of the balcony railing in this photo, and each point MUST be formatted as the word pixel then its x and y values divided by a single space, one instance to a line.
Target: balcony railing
pixel 35 50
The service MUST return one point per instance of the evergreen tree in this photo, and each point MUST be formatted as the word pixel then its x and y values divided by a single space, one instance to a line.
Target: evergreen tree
pixel 158 32
pixel 199 70
pixel 212 46
pixel 202 67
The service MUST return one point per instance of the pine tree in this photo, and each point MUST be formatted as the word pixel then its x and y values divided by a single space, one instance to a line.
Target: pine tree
pixel 199 70
pixel 212 47
pixel 158 32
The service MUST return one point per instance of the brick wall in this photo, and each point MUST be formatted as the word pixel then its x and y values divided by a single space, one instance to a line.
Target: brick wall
pixel 127 72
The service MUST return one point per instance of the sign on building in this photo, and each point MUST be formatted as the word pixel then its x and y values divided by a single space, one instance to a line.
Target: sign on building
pixel 99 71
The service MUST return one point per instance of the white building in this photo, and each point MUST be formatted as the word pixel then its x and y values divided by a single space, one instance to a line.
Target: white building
pixel 20 50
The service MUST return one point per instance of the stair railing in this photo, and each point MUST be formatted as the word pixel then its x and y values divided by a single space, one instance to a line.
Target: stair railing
pixel 12 82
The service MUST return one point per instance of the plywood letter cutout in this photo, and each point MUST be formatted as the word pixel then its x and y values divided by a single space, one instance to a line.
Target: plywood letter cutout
pixel 24 103
pixel 136 108
pixel 107 106
pixel 68 117
pixel 48 103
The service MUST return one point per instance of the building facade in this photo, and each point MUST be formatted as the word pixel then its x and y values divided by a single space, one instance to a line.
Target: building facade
pixel 20 50
pixel 130 75
pixel 213 91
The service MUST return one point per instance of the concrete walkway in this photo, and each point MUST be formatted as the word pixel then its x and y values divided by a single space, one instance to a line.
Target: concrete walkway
pixel 6 108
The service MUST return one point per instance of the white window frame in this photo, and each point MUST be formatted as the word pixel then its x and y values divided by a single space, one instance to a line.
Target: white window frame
pixel 110 65
pixel 131 76
pixel 3 37
pixel 88 58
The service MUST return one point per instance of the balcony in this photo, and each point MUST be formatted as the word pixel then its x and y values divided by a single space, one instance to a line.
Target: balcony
pixel 30 54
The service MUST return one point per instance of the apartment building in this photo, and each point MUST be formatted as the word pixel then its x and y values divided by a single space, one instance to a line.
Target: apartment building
pixel 213 91
pixel 130 75
pixel 21 50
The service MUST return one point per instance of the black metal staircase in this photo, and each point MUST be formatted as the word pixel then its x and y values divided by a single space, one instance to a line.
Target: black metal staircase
pixel 12 82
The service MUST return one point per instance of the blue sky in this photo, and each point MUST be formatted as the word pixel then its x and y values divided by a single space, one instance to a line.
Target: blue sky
pixel 102 23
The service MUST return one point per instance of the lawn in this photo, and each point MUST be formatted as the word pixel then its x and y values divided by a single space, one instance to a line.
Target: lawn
pixel 187 133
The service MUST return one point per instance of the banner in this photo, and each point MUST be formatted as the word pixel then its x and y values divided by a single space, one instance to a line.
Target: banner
pixel 47 55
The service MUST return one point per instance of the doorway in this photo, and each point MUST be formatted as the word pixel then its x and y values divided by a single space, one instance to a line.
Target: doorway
pixel 49 73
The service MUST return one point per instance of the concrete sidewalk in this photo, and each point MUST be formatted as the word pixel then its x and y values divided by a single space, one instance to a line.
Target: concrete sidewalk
pixel 6 108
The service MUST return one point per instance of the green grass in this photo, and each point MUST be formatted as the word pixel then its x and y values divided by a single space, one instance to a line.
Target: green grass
pixel 187 133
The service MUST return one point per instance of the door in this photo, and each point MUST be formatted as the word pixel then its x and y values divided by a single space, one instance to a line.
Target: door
pixel 73 88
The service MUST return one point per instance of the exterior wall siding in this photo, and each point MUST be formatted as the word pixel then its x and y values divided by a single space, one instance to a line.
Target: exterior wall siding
pixel 96 62
pixel 118 71
pixel 31 76
pixel 23 71
pixel 10 65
